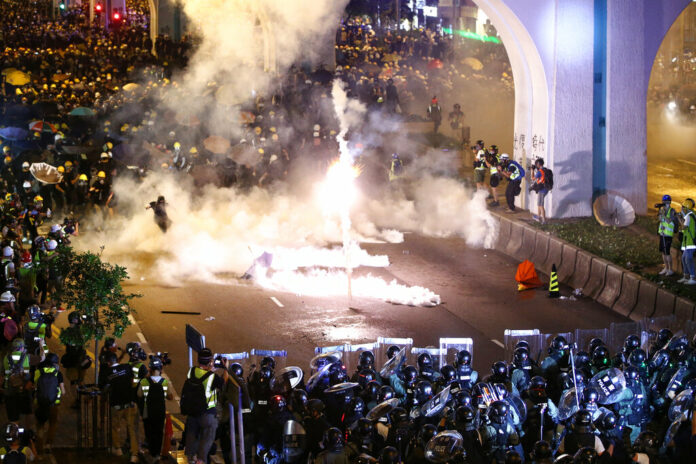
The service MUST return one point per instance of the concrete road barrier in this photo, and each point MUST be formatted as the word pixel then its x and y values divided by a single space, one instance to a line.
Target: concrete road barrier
pixel 647 296
pixel 583 263
pixel 612 286
pixel 528 244
pixel 684 309
pixel 629 294
pixel 554 255
pixel 664 303
pixel 503 233
pixel 567 268
pixel 595 283
pixel 515 242
pixel 541 249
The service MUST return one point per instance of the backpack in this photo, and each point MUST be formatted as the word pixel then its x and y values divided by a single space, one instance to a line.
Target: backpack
pixel 10 329
pixel 31 339
pixel 47 388
pixel 519 168
pixel 15 457
pixel 193 401
pixel 548 178
pixel 155 402
pixel 17 380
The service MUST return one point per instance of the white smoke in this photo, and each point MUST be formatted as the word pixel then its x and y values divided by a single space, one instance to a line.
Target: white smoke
pixel 217 233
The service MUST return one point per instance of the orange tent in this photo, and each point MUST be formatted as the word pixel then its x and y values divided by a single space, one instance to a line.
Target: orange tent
pixel 527 277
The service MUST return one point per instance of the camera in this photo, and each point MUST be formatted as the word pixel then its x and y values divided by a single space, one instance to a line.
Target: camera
pixel 163 357
pixel 659 205
pixel 218 362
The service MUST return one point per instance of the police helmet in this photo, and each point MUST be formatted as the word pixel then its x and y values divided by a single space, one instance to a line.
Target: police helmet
pixel 499 368
pixel 236 369
pixel 424 391
pixel 647 442
pixel 392 350
pixel 366 376
pixel 463 358
pixel 425 361
pixel 333 439
pixel 268 361
pixel 497 411
pixel 520 357
pixel 663 336
pixel 390 455
pixel 398 416
pixel 265 374
pixel 558 345
pixel 465 417
pixel 608 421
pixel 366 360
pixel 298 400
pixel 631 343
pixel 590 395
pixel 448 373
pixel 277 403
pixel 637 358
pixel 357 406
pixel 522 344
pixel 463 398
pixel 542 450
pixel 34 313
pixel 371 390
pixel 582 423
pixel 631 374
pixel 427 432
pixel 386 392
pixel 594 343
pixel 410 374
pixel 600 357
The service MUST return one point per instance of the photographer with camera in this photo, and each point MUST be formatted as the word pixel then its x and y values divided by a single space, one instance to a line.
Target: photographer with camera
pixel 75 360
pixel 669 222
pixel 543 183
pixel 153 391
pixel 18 446
pixel 199 402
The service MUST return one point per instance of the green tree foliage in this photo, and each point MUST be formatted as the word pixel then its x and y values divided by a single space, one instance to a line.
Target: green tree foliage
pixel 94 289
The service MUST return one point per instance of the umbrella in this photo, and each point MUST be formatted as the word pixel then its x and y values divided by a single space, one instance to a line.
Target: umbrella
pixel 473 63
pixel 13 133
pixel 216 144
pixel 16 77
pixel 41 126
pixel 245 154
pixel 45 173
pixel 611 209
pixel 59 77
pixel 82 111
pixel 187 120
pixel 435 64
pixel 131 86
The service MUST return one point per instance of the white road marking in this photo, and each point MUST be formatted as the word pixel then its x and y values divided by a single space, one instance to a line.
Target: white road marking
pixel 275 300
pixel 130 318
pixel 687 162
pixel 666 169
pixel 141 337
pixel 497 343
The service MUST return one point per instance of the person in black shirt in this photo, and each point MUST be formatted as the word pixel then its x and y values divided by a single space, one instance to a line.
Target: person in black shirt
pixel 159 208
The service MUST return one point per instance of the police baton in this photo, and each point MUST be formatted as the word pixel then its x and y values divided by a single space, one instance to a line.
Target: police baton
pixel 572 347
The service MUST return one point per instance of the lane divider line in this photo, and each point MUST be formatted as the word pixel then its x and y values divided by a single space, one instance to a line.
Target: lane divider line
pixel 141 337
pixel 276 301
pixel 497 342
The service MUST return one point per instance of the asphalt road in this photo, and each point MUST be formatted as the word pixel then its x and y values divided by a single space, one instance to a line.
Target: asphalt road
pixel 479 300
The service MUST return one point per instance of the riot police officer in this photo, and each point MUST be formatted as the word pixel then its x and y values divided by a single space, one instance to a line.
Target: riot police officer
pixel 541 411
pixel 498 435
pixel 425 368
pixel 634 409
pixel 466 375
pixel 334 452
pixel 581 435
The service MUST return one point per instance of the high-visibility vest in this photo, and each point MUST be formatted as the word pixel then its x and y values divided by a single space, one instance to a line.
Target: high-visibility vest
pixel 145 387
pixel 135 367
pixel 48 370
pixel 666 227
pixel 689 241
pixel 210 393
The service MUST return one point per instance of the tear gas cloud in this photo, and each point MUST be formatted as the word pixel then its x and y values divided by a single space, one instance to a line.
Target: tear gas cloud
pixel 216 233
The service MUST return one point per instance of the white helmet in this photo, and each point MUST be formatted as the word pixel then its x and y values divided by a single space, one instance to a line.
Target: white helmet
pixel 104 155
pixel 52 245
pixel 7 252
pixel 25 164
pixel 55 228
pixel 26 184
pixel 504 156
pixel 7 297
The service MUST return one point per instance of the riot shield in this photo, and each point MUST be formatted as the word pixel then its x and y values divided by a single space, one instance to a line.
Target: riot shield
pixel 672 432
pixel 337 351
pixel 279 356
pixel 382 409
pixel 389 368
pixel 286 380
pixel 546 339
pixel 531 336
pixel 383 344
pixel 664 322
pixel 446 446
pixel 294 441
pixel 584 336
pixel 681 405
pixel 436 404
pixel 352 355
pixel 676 382
pixel 318 376
pixel 610 384
pixel 434 354
pixel 568 405
pixel 484 394
pixel 618 331
pixel 341 387
pixel 449 347
pixel 324 359
pixel 518 408
pixel 241 358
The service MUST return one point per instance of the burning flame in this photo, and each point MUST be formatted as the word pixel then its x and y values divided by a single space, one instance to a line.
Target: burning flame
pixel 337 192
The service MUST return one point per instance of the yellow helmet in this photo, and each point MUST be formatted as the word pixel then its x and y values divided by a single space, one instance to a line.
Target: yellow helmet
pixel 101 175
pixel 68 164
pixel 61 169
pixel 38 198
pixel 8 159
pixel 193 150
pixel 82 177
pixel 6 149
pixel 688 204
pixel 8 196
pixel 177 145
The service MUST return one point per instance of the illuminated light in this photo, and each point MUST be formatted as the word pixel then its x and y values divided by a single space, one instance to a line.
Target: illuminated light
pixel 117 16
pixel 472 35
pixel 672 105
pixel 337 193
pixel 98 7
pixel 61 6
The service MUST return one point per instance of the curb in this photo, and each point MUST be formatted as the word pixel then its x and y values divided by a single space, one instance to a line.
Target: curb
pixel 614 287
